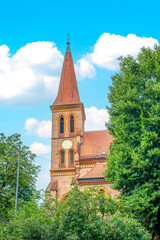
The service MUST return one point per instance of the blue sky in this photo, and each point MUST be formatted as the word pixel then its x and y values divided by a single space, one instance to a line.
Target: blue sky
pixel 33 37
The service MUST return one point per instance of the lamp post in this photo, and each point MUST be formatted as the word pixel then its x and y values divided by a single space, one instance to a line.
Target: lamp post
pixel 17 178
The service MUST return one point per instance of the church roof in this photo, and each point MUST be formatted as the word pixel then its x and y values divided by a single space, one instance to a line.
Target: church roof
pixel 68 89
pixel 95 143
pixel 95 172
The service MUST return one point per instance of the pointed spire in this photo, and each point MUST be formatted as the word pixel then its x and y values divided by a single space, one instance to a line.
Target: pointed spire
pixel 68 89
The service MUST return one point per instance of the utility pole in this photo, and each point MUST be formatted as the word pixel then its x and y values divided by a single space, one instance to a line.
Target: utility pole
pixel 19 151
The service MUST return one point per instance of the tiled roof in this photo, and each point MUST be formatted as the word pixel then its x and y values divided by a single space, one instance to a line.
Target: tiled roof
pixel 95 172
pixel 94 143
pixel 68 89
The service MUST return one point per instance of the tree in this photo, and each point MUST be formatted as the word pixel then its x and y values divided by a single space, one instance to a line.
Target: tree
pixel 9 147
pixel 134 159
pixel 83 215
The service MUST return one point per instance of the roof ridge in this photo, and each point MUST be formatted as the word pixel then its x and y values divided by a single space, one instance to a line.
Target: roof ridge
pixel 97 131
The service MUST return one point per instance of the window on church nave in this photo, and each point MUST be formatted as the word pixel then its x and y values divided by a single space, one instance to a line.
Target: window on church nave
pixel 71 124
pixel 61 125
pixel 63 199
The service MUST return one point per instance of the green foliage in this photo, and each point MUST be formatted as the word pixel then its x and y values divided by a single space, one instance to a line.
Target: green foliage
pixel 30 222
pixel 83 215
pixel 9 147
pixel 134 160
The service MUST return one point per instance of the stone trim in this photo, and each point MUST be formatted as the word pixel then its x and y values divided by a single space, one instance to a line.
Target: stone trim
pixel 65 107
pixel 93 182
pixel 62 172
pixel 89 163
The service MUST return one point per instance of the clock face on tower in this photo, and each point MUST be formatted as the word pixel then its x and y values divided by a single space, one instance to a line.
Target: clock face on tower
pixel 67 144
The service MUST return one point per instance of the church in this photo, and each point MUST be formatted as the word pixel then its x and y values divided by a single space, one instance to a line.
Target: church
pixel 75 153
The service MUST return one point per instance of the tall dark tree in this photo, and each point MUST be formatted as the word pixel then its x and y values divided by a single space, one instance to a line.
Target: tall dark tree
pixel 9 150
pixel 134 160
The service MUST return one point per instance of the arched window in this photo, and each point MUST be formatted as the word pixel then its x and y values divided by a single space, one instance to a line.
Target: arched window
pixel 71 124
pixel 62 158
pixel 62 125
pixel 103 189
pixel 63 199
pixel 71 157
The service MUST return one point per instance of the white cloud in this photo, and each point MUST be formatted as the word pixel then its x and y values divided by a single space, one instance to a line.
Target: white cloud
pixel 38 53
pixel 96 118
pixel 84 68
pixel 109 47
pixel 41 128
pixel 40 148
pixel 51 83
pixel 31 74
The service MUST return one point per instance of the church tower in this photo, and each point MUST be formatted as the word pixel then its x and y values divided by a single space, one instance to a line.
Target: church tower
pixel 68 118
pixel 75 153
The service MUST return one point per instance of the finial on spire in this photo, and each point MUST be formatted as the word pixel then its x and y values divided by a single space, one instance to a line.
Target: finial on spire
pixel 68 43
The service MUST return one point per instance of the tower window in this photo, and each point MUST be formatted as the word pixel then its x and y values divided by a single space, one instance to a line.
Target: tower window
pixel 61 125
pixel 62 158
pixel 72 157
pixel 71 124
